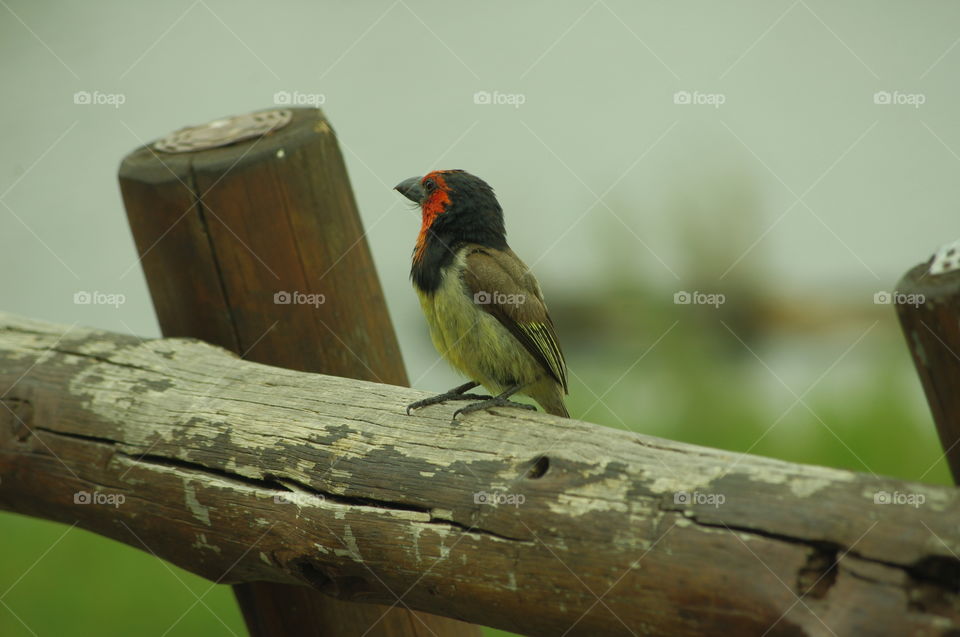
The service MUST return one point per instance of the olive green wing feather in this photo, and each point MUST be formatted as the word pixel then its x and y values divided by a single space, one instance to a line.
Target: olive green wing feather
pixel 501 285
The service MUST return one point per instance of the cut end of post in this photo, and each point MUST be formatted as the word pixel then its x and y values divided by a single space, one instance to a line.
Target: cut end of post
pixel 224 131
pixel 946 259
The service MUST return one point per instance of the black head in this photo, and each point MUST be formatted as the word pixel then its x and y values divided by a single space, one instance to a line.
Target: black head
pixel 456 208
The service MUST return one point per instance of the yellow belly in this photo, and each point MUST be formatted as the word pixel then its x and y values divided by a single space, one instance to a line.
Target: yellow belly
pixel 473 341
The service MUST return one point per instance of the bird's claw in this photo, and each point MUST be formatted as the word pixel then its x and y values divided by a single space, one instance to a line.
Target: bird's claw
pixel 495 401
pixel 442 398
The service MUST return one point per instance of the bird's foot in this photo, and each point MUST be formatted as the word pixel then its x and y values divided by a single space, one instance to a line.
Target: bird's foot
pixel 496 401
pixel 442 398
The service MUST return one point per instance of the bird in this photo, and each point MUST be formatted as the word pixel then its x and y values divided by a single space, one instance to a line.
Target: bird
pixel 484 308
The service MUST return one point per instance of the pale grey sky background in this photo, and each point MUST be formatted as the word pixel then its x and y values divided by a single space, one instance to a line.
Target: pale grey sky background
pixel 599 156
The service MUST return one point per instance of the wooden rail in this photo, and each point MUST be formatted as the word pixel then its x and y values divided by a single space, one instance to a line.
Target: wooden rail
pixel 241 472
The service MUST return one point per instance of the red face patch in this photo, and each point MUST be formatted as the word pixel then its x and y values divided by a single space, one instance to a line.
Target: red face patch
pixel 435 204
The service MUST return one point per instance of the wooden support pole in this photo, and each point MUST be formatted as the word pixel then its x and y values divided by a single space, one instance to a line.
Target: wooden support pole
pixel 928 304
pixel 250 239
pixel 519 520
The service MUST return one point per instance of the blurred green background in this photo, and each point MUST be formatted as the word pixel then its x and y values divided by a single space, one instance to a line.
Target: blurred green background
pixel 816 183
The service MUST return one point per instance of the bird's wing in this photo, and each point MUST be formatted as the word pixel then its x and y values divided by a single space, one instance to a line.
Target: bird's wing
pixel 502 286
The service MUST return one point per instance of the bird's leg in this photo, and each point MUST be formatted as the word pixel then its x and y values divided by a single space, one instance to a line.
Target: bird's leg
pixel 457 393
pixel 500 400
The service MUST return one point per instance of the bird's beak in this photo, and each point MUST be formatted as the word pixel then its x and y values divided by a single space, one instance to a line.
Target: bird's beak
pixel 411 189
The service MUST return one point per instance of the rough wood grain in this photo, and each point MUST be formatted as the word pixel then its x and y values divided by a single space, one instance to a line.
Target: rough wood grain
pixel 932 330
pixel 240 472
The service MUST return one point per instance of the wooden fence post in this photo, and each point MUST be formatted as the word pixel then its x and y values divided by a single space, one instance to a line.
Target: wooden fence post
pixel 928 304
pixel 250 239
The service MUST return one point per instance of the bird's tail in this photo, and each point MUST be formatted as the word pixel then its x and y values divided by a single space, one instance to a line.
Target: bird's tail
pixel 557 408
pixel 550 396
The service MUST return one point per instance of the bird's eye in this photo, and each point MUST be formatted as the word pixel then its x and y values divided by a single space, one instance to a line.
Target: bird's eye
pixel 429 185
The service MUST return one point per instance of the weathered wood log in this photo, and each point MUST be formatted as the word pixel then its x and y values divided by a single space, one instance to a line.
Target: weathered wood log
pixel 243 472
pixel 928 304
pixel 250 239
